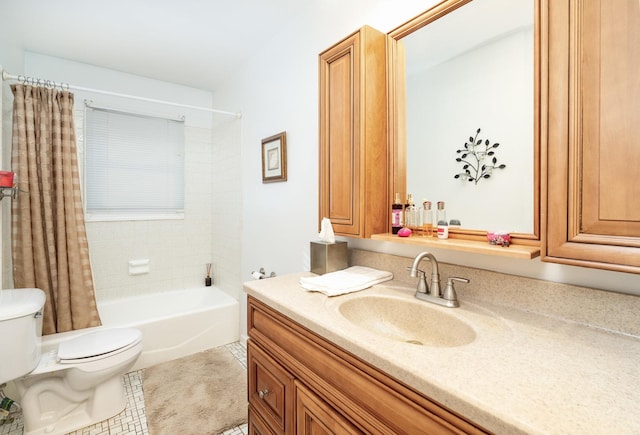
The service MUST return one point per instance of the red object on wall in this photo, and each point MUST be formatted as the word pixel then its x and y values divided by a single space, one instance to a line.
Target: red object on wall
pixel 6 179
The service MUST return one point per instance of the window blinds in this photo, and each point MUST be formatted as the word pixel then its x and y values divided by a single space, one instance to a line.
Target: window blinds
pixel 134 165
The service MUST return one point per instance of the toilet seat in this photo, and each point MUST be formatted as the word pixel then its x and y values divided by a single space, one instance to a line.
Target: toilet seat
pixel 97 345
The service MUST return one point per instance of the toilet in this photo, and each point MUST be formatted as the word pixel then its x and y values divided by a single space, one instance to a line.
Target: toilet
pixel 76 383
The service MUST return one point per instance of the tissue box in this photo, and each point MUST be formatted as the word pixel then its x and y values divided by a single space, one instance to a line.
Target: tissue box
pixel 328 257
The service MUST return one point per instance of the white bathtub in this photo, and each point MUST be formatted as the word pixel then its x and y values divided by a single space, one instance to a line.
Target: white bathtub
pixel 174 324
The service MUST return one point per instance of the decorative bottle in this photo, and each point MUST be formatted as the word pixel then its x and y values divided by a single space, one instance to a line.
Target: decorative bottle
pixel 410 213
pixel 427 219
pixel 441 216
pixel 396 214
pixel 208 280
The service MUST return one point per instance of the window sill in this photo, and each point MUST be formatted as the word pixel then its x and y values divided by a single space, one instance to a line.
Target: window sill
pixel 97 217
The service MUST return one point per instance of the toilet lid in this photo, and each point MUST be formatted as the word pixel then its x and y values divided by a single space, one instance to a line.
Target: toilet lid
pixel 16 303
pixel 98 343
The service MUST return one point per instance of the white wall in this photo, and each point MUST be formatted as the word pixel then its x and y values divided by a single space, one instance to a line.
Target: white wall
pixel 278 90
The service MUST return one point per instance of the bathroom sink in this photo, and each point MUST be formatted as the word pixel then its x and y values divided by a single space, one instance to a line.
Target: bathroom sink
pixel 406 320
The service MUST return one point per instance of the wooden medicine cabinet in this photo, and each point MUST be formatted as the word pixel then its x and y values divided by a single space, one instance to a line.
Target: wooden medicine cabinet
pixel 591 211
pixel 353 129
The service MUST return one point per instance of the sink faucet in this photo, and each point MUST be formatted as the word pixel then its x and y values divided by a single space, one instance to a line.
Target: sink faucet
pixel 435 275
pixel 449 298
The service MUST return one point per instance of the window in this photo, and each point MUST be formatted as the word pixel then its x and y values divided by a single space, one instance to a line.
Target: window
pixel 134 166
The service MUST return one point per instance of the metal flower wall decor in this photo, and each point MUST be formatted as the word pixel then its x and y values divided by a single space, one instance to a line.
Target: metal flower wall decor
pixel 479 159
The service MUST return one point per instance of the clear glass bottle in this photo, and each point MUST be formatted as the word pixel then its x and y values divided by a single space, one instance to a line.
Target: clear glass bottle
pixel 410 213
pixel 415 217
pixel 407 204
pixel 441 213
pixel 427 219
pixel 443 226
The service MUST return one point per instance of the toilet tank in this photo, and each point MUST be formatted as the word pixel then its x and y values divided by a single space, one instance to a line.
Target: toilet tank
pixel 20 331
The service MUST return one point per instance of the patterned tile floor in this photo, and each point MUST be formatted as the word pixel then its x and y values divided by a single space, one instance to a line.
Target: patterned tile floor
pixel 131 421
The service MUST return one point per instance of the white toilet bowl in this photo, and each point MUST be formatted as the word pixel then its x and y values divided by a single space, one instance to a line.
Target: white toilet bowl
pixel 75 384
pixel 80 382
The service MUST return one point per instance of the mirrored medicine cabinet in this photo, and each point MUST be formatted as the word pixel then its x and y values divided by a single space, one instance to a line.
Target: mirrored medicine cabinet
pixel 460 67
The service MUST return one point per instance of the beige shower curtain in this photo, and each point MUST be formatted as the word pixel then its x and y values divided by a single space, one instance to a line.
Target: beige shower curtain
pixel 49 241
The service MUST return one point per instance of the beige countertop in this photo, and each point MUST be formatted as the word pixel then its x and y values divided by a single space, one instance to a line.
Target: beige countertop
pixel 524 372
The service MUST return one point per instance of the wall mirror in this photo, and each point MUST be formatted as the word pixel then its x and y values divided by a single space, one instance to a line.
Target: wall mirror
pixel 461 66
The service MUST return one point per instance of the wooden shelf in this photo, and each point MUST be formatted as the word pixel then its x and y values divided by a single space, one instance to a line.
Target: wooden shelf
pixel 514 251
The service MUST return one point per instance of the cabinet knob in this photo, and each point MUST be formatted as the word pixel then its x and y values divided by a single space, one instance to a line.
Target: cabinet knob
pixel 263 393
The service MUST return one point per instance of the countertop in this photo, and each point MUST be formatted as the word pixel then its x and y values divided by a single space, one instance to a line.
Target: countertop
pixel 524 372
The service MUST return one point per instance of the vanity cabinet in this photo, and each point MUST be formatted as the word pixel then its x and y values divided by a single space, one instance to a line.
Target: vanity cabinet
pixel 353 135
pixel 592 183
pixel 301 383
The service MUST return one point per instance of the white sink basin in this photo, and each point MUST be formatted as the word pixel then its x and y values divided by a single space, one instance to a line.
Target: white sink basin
pixel 407 320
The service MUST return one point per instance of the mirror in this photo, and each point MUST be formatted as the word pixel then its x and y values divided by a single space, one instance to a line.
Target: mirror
pixel 460 67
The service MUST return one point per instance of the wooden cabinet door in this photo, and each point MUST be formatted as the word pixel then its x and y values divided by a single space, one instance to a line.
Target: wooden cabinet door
pixel 315 417
pixel 592 209
pixel 270 389
pixel 257 426
pixel 353 142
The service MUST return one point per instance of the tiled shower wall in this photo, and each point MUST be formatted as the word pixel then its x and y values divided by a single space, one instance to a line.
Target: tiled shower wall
pixel 226 205
pixel 6 104
pixel 178 250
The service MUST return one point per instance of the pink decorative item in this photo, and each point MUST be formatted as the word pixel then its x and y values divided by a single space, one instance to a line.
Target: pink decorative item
pixel 6 179
pixel 499 238
pixel 404 232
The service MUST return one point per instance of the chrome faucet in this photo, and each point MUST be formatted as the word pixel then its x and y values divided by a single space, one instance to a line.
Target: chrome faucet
pixel 449 298
pixel 435 275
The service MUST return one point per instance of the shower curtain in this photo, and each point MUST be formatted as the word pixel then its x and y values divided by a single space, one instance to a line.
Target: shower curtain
pixel 49 241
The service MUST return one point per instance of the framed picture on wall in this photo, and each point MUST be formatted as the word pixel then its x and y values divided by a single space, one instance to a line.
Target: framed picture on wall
pixel 274 158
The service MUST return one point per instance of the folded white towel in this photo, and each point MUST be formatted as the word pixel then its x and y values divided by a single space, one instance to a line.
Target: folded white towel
pixel 344 281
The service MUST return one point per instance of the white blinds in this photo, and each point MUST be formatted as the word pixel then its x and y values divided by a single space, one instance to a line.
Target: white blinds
pixel 134 165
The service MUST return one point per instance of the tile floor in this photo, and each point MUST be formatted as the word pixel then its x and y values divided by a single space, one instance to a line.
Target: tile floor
pixel 131 421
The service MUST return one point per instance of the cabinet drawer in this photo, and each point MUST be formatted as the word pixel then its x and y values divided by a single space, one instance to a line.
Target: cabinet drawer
pixel 314 416
pixel 270 389
pixel 257 426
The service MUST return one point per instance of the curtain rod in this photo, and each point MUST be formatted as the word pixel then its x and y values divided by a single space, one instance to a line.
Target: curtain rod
pixel 66 86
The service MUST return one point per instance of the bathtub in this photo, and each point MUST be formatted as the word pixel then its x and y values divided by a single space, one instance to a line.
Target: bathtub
pixel 174 323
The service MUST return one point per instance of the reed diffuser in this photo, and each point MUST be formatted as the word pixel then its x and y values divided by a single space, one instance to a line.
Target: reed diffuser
pixel 207 279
